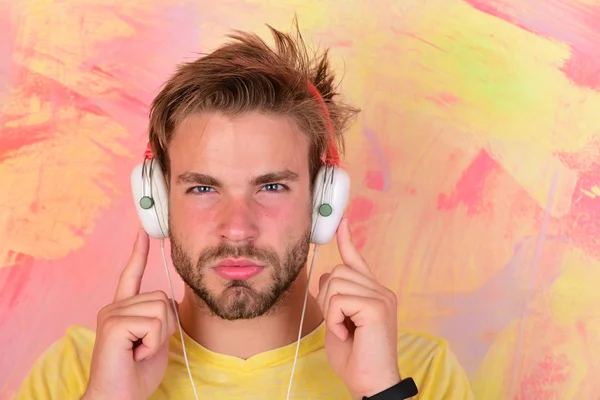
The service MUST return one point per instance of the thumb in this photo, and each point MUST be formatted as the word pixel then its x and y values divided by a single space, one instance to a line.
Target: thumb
pixel 322 292
pixel 323 280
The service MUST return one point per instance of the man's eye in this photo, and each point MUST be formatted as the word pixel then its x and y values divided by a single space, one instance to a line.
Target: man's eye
pixel 200 189
pixel 274 187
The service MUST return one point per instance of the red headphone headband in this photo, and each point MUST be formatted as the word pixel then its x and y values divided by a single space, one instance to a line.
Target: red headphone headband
pixel 331 156
pixel 148 153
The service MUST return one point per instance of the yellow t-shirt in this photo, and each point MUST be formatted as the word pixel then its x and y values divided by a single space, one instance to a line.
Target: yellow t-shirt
pixel 62 371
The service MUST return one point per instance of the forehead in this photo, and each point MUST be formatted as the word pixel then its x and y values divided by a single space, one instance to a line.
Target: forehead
pixel 253 143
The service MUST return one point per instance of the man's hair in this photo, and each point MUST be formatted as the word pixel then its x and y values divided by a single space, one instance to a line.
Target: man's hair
pixel 246 75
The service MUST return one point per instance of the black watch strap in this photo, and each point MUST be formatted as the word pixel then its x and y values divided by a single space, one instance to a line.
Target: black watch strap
pixel 402 390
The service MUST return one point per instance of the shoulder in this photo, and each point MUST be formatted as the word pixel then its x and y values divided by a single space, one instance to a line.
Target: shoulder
pixel 420 346
pixel 80 336
pixel 63 368
pixel 430 361
pixel 76 346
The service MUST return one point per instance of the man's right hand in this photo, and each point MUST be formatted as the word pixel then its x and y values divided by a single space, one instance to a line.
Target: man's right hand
pixel 132 337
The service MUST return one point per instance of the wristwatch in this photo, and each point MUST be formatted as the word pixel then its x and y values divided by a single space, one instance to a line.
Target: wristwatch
pixel 403 390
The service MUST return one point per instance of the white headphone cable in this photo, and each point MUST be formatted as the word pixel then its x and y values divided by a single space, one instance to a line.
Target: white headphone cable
pixel 312 262
pixel 187 364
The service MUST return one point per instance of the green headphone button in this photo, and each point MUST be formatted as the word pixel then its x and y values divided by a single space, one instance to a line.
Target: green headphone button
pixel 146 202
pixel 325 210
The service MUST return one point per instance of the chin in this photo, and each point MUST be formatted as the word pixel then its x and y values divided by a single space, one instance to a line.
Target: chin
pixel 239 300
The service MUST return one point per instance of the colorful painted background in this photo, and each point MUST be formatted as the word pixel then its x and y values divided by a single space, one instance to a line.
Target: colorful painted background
pixel 475 162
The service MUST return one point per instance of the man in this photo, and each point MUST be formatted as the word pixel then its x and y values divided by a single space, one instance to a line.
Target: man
pixel 241 137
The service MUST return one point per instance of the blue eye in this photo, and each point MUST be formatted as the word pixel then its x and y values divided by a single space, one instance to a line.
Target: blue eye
pixel 200 189
pixel 274 187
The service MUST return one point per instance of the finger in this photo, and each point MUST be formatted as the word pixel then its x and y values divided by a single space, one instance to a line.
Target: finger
pixel 340 286
pixel 126 331
pixel 347 273
pixel 172 318
pixel 150 309
pixel 144 357
pixel 131 277
pixel 350 255
pixel 351 274
pixel 142 297
pixel 359 309
pixel 323 280
pixel 149 297
pixel 151 343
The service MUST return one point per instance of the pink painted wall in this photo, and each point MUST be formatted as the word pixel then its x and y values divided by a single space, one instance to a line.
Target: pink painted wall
pixel 475 165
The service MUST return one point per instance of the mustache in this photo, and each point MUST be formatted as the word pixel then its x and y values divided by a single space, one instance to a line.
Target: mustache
pixel 248 250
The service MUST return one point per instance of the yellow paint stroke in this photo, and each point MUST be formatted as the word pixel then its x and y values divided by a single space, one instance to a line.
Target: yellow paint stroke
pixel 476 74
pixel 560 321
pixel 55 193
pixel 589 193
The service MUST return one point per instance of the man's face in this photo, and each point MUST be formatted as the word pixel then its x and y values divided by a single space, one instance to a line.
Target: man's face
pixel 240 209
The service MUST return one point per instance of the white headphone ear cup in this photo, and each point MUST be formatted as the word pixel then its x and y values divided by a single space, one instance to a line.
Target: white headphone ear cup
pixel 148 183
pixel 331 188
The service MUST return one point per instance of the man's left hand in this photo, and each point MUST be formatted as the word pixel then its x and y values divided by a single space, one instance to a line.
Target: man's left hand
pixel 360 315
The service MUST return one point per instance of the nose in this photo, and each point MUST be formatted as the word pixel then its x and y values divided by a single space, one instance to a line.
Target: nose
pixel 237 222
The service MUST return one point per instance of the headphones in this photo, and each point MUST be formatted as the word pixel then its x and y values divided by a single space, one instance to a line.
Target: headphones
pixel 330 195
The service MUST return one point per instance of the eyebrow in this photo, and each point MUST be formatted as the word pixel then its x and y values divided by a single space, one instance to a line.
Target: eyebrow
pixel 195 178
pixel 272 177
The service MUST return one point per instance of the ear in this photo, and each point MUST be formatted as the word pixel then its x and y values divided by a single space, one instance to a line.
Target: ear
pixel 330 197
pixel 150 196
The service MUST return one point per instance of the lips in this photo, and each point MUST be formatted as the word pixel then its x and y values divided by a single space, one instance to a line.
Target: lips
pixel 237 269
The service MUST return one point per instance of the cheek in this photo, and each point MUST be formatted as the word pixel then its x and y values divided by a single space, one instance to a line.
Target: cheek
pixel 187 219
pixel 277 215
pixel 285 220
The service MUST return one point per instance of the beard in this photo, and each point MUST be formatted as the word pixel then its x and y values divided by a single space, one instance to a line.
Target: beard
pixel 239 299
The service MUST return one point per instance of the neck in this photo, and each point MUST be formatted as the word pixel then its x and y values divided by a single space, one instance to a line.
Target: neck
pixel 246 338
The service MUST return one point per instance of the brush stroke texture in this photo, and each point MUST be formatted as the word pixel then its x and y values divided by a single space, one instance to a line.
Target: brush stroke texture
pixel 473 113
